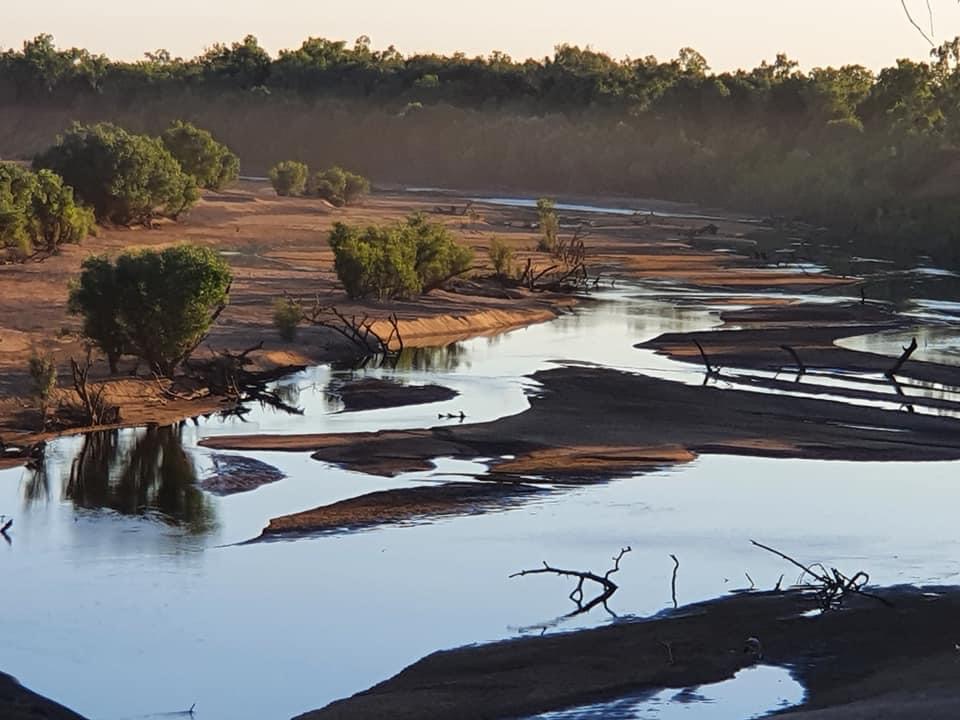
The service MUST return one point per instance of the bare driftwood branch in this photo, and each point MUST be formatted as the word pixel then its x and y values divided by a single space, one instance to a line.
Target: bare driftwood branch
pixel 907 352
pixel 358 330
pixel 832 586
pixel 608 587
pixel 801 368
pixel 673 584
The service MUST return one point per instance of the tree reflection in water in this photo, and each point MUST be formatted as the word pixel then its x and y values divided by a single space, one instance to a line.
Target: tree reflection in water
pixel 144 473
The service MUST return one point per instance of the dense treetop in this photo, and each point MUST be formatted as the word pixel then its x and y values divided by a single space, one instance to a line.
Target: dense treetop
pixel 911 94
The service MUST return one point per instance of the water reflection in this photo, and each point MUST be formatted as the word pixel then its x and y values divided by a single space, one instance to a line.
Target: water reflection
pixel 144 473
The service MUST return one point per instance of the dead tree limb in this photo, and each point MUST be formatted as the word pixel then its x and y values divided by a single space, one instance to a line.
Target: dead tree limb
pixel 673 582
pixel 801 368
pixel 608 586
pixel 97 410
pixel 832 586
pixel 712 372
pixel 907 352
pixel 359 330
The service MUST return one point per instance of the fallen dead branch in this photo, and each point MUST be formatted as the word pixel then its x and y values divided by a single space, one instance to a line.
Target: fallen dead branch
pixel 801 368
pixel 832 586
pixel 608 587
pixel 226 374
pixel 907 352
pixel 673 582
pixel 359 330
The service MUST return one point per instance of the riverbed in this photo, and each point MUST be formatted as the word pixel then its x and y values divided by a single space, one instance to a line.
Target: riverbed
pixel 133 592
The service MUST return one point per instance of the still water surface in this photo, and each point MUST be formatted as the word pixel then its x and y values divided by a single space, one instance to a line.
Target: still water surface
pixel 127 593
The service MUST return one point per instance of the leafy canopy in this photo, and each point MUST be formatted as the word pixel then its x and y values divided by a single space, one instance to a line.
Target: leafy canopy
pixel 289 178
pixel 155 305
pixel 338 186
pixel 396 261
pixel 127 178
pixel 211 163
pixel 38 212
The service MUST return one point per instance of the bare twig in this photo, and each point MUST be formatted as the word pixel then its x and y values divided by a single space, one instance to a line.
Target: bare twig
pixel 753 585
pixel 576 595
pixel 673 582
pixel 801 368
pixel 832 586
pixel 913 22
pixel 907 352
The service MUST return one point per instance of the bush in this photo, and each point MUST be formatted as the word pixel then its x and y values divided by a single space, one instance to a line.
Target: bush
pixel 289 178
pixel 211 163
pixel 501 256
pixel 38 212
pixel 156 305
pixel 396 261
pixel 43 376
pixel 16 192
pixel 338 186
pixel 286 318
pixel 549 225
pixel 126 178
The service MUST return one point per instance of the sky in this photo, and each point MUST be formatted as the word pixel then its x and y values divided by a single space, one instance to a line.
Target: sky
pixel 730 33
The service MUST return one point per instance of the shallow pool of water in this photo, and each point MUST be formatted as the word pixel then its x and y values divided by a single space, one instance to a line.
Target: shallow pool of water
pixel 753 693
pixel 131 593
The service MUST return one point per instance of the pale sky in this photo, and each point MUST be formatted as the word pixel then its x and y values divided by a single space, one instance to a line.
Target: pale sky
pixel 730 33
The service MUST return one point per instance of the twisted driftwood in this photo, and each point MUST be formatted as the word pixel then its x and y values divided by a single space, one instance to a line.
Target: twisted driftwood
pixel 832 586
pixel 608 586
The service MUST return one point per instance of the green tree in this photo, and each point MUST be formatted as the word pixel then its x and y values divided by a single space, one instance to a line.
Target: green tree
pixel 211 163
pixel 396 261
pixel 38 212
pixel 156 305
pixel 289 178
pixel 54 218
pixel 549 225
pixel 126 178
pixel 338 186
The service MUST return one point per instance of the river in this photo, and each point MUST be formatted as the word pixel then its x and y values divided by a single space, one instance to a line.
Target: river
pixel 129 591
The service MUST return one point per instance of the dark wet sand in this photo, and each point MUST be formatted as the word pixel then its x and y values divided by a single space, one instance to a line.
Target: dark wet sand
pixel 402 505
pixel 374 393
pixel 845 659
pixel 235 474
pixel 582 411
pixel 19 703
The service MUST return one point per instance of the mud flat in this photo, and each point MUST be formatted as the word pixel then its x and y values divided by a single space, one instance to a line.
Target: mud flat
pixel 867 660
pixel 374 393
pixel 583 415
pixel 19 703
pixel 403 505
pixel 753 339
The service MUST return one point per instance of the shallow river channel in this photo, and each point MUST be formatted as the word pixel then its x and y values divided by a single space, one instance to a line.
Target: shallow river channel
pixel 131 593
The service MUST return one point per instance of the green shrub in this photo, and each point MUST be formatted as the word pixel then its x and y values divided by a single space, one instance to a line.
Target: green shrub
pixel 16 192
pixel 55 219
pixel 156 305
pixel 286 318
pixel 501 256
pixel 289 178
pixel 43 376
pixel 210 163
pixel 38 212
pixel 549 225
pixel 396 261
pixel 338 186
pixel 126 178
